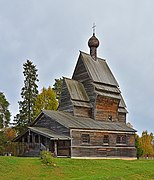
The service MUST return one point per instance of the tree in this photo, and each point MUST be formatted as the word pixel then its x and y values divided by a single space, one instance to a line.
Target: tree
pixel 6 137
pixel 45 100
pixel 57 87
pixel 9 133
pixel 139 150
pixel 28 93
pixel 3 142
pixel 146 143
pixel 4 112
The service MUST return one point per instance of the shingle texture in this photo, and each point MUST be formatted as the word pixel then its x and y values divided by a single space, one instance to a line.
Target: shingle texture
pixel 71 122
pixel 48 133
pixel 76 90
pixel 99 70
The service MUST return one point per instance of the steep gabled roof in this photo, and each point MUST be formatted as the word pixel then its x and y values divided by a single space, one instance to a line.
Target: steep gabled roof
pixel 76 90
pixel 122 105
pixel 122 102
pixel 103 80
pixel 98 70
pixel 70 121
pixel 77 93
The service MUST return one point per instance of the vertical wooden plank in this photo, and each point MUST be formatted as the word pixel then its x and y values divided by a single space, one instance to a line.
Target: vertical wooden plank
pixel 23 145
pixel 39 140
pixel 33 140
pixel 55 148
pixel 28 138
pixel 18 149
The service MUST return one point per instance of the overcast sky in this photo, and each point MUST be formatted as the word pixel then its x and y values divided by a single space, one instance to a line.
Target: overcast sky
pixel 50 33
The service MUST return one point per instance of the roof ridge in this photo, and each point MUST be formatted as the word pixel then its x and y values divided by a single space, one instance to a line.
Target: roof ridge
pixel 99 58
pixel 73 80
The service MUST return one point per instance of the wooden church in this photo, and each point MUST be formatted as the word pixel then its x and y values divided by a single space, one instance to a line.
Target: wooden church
pixel 91 118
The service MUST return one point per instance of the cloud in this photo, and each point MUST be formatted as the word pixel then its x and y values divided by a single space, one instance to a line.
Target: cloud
pixel 51 33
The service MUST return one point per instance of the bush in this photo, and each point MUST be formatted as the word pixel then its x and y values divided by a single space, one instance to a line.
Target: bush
pixel 47 158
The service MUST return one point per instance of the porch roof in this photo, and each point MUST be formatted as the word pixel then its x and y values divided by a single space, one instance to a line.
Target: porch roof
pixel 49 133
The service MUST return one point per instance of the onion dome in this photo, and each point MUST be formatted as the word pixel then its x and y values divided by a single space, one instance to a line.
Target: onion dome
pixel 93 41
pixel 93 44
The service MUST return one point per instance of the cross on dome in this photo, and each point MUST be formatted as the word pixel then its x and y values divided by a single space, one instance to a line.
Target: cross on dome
pixel 93 27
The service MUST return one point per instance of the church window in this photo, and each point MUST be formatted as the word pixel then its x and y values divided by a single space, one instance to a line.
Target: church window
pixel 106 139
pixel 85 138
pixel 110 117
pixel 121 139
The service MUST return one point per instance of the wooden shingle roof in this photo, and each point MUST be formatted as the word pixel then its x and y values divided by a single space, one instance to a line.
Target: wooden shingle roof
pixel 76 90
pixel 44 132
pixel 98 70
pixel 77 93
pixel 48 133
pixel 70 121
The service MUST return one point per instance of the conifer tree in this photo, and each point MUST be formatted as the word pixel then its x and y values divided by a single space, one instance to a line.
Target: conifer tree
pixel 58 87
pixel 28 93
pixel 4 111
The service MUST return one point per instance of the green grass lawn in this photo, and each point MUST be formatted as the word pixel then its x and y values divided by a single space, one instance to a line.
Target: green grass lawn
pixel 32 168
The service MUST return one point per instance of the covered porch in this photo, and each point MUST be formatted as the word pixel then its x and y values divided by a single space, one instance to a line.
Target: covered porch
pixel 37 139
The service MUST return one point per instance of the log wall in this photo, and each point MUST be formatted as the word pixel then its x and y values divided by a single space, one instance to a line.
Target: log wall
pixel 122 117
pixel 82 111
pixel 106 107
pixel 96 147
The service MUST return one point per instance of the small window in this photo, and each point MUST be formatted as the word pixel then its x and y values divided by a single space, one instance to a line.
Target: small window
pixel 110 117
pixel 121 139
pixel 106 139
pixel 85 138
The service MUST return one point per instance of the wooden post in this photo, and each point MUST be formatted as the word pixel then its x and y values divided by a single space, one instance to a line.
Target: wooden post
pixel 39 140
pixel 46 145
pixel 28 138
pixel 18 149
pixel 46 141
pixel 33 140
pixel 23 145
pixel 55 148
